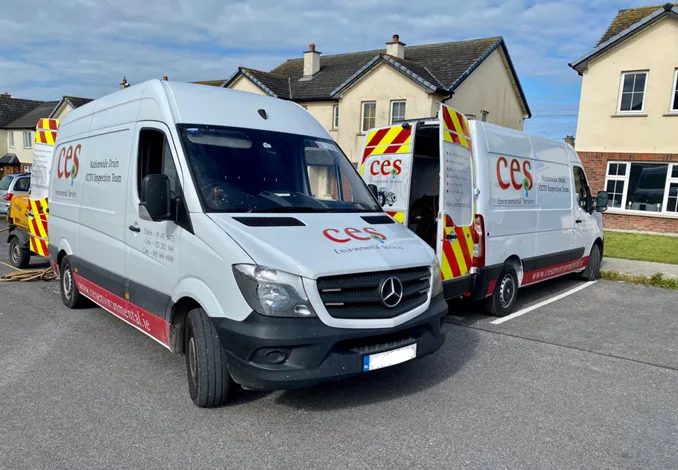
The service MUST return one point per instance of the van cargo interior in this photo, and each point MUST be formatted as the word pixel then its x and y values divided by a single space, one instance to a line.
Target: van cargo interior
pixel 425 183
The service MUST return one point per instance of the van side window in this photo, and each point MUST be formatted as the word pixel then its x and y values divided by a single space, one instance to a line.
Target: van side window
pixel 582 190
pixel 155 157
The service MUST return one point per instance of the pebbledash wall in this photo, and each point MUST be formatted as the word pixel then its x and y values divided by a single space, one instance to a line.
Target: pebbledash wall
pixel 595 164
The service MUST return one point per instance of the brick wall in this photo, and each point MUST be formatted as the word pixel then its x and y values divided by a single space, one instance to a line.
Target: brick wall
pixel 595 164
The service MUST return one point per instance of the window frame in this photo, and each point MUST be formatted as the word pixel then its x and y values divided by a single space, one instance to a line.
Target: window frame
pixel 393 103
pixel 621 92
pixel 28 134
pixel 626 177
pixel 674 94
pixel 484 115
pixel 335 117
pixel 10 139
pixel 589 194
pixel 362 116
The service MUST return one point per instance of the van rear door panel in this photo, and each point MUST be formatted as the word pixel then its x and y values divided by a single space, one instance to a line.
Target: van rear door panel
pixel 456 200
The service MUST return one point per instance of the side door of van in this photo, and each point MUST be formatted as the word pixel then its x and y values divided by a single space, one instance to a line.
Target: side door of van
pixel 151 247
pixel 456 202
pixel 585 224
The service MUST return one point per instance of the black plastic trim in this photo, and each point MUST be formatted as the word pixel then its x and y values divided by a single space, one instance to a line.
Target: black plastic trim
pixel 453 288
pixel 113 283
pixel 378 219
pixel 270 221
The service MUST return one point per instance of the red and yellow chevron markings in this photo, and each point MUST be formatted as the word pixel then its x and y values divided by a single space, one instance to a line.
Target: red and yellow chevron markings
pixel 391 140
pixel 457 253
pixel 46 131
pixel 398 216
pixel 455 128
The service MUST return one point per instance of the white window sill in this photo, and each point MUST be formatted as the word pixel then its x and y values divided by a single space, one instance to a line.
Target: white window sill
pixel 629 115
pixel 660 215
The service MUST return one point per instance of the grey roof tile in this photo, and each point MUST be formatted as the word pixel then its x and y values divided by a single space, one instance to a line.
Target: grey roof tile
pixel 30 119
pixel 12 109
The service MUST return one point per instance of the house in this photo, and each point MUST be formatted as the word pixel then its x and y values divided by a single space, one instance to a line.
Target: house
pixel 21 133
pixel 351 93
pixel 66 105
pixel 13 142
pixel 627 133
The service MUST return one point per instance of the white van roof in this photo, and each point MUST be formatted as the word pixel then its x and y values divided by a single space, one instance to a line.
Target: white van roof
pixel 178 102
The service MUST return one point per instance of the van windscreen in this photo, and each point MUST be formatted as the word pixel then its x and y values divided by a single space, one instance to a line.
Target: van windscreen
pixel 249 170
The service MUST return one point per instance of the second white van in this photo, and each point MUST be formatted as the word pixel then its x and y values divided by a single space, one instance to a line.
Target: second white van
pixel 503 209
pixel 230 227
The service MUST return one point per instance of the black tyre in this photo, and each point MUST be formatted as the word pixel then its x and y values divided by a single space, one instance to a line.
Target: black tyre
pixel 70 295
pixel 503 299
pixel 19 255
pixel 209 382
pixel 592 271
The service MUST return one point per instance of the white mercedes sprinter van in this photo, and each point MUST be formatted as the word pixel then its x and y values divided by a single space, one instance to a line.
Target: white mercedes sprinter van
pixel 503 209
pixel 230 227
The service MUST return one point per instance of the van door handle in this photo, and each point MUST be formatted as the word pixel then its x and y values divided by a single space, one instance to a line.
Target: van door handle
pixel 578 221
pixel 451 236
pixel 134 228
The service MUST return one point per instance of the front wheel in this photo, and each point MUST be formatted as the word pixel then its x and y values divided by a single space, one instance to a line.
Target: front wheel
pixel 503 299
pixel 70 295
pixel 592 271
pixel 209 382
pixel 19 255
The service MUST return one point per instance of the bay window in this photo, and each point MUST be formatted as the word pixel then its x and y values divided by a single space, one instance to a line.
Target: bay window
pixel 643 187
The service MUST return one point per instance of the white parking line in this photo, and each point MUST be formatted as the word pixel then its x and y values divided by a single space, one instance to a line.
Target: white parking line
pixel 499 321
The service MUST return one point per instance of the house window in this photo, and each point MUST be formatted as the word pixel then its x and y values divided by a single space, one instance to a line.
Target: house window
pixel 369 115
pixel 335 117
pixel 28 140
pixel 483 116
pixel 10 136
pixel 633 87
pixel 643 187
pixel 398 111
pixel 674 94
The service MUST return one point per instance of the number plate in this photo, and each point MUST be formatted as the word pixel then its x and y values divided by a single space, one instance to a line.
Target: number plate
pixel 389 358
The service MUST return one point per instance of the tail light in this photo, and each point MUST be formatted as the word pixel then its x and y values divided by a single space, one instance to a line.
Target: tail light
pixel 478 242
pixel 8 196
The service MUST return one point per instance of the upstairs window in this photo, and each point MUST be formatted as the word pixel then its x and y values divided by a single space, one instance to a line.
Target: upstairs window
pixel 674 94
pixel 633 88
pixel 398 111
pixel 28 140
pixel 10 135
pixel 369 115
pixel 335 117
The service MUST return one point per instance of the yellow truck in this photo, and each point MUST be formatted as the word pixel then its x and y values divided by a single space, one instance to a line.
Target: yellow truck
pixel 28 214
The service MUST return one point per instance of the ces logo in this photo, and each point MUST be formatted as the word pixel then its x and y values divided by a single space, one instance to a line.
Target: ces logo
pixel 345 236
pixel 514 174
pixel 386 167
pixel 68 163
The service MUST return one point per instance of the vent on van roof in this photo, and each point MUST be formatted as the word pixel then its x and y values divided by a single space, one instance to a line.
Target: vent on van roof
pixel 270 221
pixel 378 219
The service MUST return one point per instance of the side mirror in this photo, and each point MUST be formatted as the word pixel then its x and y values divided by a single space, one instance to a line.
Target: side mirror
pixel 374 189
pixel 602 201
pixel 156 197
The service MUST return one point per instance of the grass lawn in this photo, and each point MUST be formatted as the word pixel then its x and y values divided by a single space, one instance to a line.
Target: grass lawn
pixel 639 246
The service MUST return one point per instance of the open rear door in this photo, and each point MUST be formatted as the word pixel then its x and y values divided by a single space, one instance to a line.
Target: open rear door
pixel 386 166
pixel 456 213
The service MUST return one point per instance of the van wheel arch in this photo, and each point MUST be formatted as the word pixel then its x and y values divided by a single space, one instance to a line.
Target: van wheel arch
pixel 515 261
pixel 60 257
pixel 601 245
pixel 179 312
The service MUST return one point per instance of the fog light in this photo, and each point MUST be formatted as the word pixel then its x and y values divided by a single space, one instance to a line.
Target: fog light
pixel 275 356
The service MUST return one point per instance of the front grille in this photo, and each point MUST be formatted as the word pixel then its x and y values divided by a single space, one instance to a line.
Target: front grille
pixel 357 296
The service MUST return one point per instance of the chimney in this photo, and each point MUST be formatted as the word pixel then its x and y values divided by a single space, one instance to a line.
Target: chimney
pixel 311 61
pixel 569 140
pixel 124 83
pixel 396 48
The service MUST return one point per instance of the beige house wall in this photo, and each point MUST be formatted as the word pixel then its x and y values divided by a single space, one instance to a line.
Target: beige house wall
pixel 62 111
pixel 600 127
pixel 490 88
pixel 25 155
pixel 243 83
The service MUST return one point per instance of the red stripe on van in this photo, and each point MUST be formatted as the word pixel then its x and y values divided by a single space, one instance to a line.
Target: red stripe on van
pixel 148 323
pixel 554 271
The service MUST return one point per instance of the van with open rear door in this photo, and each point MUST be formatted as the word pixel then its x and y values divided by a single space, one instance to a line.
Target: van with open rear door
pixel 502 209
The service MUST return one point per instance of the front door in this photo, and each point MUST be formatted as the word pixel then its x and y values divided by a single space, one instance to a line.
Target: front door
pixel 454 241
pixel 151 247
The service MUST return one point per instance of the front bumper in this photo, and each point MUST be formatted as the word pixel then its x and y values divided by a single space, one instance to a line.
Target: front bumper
pixel 314 352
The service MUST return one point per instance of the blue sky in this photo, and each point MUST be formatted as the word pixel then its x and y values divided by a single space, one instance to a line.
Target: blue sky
pixel 84 47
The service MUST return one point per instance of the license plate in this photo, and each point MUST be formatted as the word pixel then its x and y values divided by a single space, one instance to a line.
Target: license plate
pixel 389 358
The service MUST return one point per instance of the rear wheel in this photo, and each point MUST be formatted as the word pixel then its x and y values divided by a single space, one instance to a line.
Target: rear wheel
pixel 70 295
pixel 503 299
pixel 592 271
pixel 19 255
pixel 209 382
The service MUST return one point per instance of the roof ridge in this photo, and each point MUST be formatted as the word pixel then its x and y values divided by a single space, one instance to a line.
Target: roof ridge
pixel 249 69
pixel 648 6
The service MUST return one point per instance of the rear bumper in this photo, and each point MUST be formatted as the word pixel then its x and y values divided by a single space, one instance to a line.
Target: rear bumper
pixel 457 287
pixel 484 281
pixel 314 352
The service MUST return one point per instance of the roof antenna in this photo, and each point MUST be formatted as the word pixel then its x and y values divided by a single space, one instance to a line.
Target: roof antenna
pixel 262 113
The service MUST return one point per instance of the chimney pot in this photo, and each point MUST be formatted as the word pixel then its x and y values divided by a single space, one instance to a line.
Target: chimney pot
pixel 396 38
pixel 165 78
pixel 311 47
pixel 396 48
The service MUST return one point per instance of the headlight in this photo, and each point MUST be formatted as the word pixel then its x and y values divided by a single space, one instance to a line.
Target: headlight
pixel 273 293
pixel 437 278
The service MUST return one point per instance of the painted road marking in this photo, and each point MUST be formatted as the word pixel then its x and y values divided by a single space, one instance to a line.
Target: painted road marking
pixel 499 321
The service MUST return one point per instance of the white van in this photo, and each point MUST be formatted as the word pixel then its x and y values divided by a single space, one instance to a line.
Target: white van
pixel 502 209
pixel 188 211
